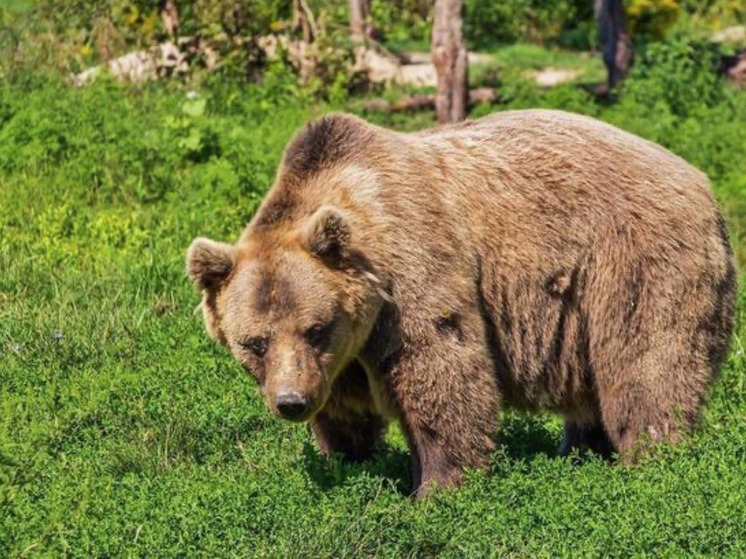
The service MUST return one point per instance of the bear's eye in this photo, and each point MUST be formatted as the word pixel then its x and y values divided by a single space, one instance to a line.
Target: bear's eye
pixel 316 335
pixel 257 345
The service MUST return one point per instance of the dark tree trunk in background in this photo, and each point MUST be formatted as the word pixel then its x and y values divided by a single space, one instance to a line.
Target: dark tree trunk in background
pixel 450 60
pixel 360 24
pixel 616 45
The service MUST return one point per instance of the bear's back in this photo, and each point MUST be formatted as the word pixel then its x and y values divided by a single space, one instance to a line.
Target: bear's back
pixel 577 148
pixel 557 180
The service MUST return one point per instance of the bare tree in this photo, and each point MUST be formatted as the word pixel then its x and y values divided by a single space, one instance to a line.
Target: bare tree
pixel 360 24
pixel 450 60
pixel 615 41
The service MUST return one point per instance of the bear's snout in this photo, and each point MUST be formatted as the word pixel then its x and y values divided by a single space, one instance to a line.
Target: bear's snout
pixel 292 405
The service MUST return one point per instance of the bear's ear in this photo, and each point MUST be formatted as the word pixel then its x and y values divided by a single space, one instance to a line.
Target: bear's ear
pixel 209 263
pixel 327 234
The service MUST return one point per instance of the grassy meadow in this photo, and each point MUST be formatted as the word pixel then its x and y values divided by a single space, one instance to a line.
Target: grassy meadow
pixel 125 432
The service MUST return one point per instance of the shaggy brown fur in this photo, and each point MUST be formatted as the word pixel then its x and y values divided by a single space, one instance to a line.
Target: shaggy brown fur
pixel 532 259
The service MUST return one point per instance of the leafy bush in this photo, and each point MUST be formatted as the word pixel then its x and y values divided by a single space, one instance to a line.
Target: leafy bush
pixel 680 74
pixel 650 18
pixel 488 22
pixel 94 139
pixel 715 14
pixel 403 21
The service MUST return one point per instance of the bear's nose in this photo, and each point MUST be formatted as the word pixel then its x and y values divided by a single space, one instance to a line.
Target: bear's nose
pixel 291 404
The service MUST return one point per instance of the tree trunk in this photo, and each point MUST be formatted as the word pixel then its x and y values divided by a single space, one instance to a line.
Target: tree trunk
pixel 615 42
pixel 170 18
pixel 450 60
pixel 359 15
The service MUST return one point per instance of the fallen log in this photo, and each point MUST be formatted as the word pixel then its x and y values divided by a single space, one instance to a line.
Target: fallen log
pixel 172 58
pixel 421 102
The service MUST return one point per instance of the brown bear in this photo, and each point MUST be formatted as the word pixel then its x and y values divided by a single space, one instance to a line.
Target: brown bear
pixel 537 260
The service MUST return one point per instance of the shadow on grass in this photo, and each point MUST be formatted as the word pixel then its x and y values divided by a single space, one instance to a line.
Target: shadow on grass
pixel 521 438
pixel 389 463
pixel 525 437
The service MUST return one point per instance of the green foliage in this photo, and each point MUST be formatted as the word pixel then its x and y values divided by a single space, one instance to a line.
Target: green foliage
pixel 650 18
pixel 488 22
pixel 403 21
pixel 241 17
pixel 714 14
pixel 139 20
pixel 407 23
pixel 69 36
pixel 680 74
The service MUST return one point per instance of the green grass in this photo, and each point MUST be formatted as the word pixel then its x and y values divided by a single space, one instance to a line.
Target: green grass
pixel 516 59
pixel 125 432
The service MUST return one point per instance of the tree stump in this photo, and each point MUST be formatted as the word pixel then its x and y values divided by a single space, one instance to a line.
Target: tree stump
pixel 360 24
pixel 450 60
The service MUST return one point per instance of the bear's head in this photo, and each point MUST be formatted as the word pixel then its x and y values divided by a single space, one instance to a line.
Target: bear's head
pixel 294 307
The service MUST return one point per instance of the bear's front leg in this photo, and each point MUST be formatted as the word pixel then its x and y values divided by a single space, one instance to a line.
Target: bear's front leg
pixel 446 394
pixel 349 424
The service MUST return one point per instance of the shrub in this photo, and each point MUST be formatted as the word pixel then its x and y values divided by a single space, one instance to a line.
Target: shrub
pixel 681 74
pixel 111 142
pixel 403 21
pixel 650 18
pixel 489 22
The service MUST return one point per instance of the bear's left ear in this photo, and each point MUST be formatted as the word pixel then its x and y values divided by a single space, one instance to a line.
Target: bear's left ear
pixel 327 234
pixel 209 263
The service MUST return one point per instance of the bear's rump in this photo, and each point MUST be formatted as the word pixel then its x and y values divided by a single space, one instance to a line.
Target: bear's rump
pixel 558 332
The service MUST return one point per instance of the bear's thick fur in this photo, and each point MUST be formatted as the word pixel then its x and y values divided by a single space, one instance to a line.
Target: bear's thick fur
pixel 536 259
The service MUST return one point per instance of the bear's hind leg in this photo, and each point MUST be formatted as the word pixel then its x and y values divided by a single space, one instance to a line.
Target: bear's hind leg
pixel 654 402
pixel 659 313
